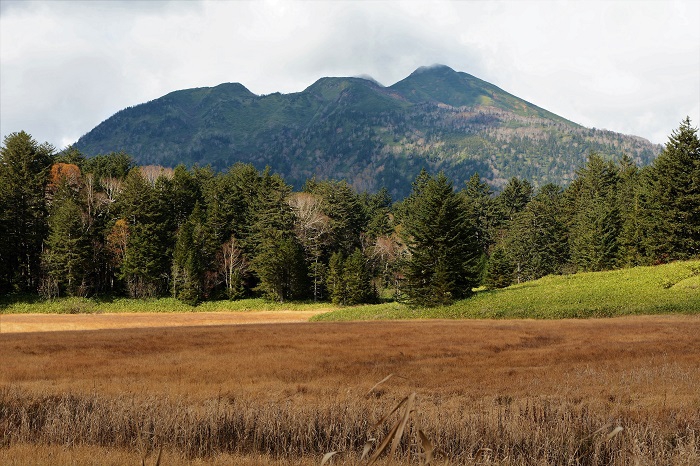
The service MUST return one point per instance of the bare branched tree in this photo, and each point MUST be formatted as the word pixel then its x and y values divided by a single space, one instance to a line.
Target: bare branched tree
pixel 233 266
pixel 312 227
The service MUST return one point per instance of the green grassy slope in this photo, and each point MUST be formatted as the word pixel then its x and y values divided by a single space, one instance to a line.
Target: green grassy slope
pixel 670 288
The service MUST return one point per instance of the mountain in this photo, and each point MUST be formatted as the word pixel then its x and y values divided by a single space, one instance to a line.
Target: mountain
pixel 359 130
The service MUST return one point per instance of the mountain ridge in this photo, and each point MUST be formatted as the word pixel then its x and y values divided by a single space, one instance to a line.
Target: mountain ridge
pixel 356 129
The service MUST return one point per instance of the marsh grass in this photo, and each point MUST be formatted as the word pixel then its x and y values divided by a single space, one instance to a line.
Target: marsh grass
pixel 500 430
pixel 509 393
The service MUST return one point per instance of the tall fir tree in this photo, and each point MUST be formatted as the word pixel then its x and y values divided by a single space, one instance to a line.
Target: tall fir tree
pixel 278 258
pixel 594 216
pixel 192 259
pixel 24 174
pixel 146 265
pixel 672 201
pixel 536 241
pixel 629 199
pixel 68 250
pixel 482 213
pixel 444 252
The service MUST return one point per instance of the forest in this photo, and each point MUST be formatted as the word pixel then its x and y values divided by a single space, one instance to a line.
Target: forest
pixel 101 226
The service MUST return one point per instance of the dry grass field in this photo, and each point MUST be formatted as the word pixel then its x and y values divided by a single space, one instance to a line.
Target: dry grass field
pixel 518 392
pixel 14 323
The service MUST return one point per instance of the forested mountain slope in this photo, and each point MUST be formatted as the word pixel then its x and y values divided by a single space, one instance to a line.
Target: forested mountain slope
pixel 358 130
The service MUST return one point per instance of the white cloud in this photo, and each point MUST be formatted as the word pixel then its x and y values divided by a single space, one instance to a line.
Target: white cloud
pixel 627 66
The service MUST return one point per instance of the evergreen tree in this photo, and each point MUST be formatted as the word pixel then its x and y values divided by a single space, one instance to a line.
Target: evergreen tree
pixel 347 220
pixel 514 197
pixel 113 165
pixel 185 193
pixel 335 281
pixel 673 198
pixel 499 269
pixel 191 259
pixel 444 252
pixel 279 258
pixel 629 200
pixel 231 202
pixel 67 254
pixel 536 241
pixel 376 211
pixel 594 216
pixel 73 156
pixel 280 267
pixel 24 172
pixel 146 266
pixel 357 280
pixel 481 212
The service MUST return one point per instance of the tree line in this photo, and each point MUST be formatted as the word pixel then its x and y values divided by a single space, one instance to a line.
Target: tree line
pixel 77 226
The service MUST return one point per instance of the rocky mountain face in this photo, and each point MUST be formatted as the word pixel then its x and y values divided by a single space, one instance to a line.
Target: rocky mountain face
pixel 372 136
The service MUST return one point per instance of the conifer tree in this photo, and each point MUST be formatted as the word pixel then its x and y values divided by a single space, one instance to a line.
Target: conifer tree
pixel 340 203
pixel 536 241
pixel 147 257
pixel 499 269
pixel 191 259
pixel 335 281
pixel 480 212
pixel 279 258
pixel 630 205
pixel 443 249
pixel 594 216
pixel 672 227
pixel 24 172
pixel 67 253
pixel 357 280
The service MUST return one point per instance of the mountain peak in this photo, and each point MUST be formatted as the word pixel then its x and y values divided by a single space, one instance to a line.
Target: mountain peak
pixel 355 129
pixel 435 69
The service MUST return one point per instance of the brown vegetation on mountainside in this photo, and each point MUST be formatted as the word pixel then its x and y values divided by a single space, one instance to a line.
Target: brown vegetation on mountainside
pixel 494 392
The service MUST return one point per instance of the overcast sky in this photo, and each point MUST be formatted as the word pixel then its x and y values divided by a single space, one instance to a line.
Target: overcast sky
pixel 628 66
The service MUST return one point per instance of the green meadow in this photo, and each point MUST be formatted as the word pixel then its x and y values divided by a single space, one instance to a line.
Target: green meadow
pixel 669 288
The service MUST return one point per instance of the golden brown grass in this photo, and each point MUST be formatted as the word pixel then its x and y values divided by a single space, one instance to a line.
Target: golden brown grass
pixel 21 323
pixel 504 392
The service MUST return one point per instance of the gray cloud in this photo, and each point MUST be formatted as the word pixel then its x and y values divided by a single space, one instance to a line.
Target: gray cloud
pixel 632 67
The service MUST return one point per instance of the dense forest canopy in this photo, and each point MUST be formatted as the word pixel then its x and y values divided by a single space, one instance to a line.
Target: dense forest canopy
pixel 72 225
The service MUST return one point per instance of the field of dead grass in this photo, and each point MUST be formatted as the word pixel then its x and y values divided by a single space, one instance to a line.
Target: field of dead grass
pixel 518 392
pixel 16 323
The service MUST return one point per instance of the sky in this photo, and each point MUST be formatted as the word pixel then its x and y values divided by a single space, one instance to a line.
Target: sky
pixel 629 66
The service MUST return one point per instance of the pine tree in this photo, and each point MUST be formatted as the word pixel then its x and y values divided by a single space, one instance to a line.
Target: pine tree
pixel 536 241
pixel 444 252
pixel 629 200
pixel 482 213
pixel 673 198
pixel 147 257
pixel 281 269
pixel 499 269
pixel 24 172
pixel 514 197
pixel 357 280
pixel 278 257
pixel 594 216
pixel 67 253
pixel 345 211
pixel 335 281
pixel 191 259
